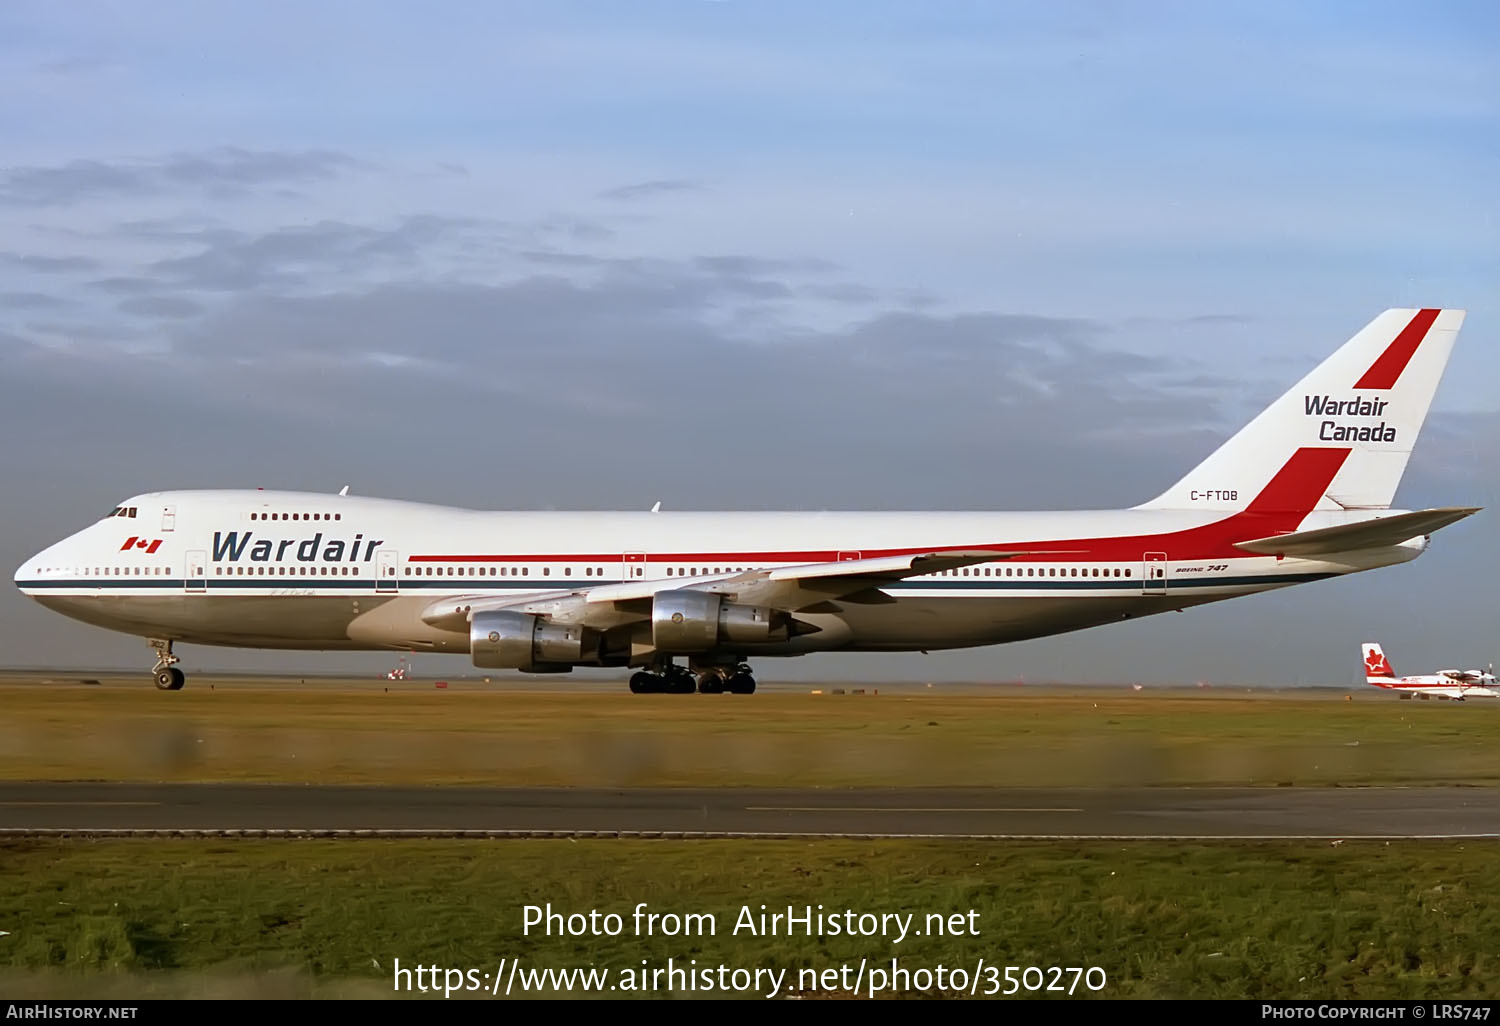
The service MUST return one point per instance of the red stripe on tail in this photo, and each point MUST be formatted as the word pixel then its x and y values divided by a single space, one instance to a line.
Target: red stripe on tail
pixel 1300 483
pixel 1389 364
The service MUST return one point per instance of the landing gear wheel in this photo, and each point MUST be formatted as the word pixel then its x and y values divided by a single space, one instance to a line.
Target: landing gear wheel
pixel 680 682
pixel 164 675
pixel 645 683
pixel 742 684
pixel 710 684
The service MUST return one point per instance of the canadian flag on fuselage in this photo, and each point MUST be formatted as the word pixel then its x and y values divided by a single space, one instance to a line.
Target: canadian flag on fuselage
pixel 1367 402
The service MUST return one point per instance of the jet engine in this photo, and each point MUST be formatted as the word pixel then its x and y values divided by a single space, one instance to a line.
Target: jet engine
pixel 698 621
pixel 508 640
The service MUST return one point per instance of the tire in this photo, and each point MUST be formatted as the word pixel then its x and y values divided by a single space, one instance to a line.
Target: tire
pixel 642 684
pixel 165 679
pixel 710 684
pixel 742 684
pixel 178 679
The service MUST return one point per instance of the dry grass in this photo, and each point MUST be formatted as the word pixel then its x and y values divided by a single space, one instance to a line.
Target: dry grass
pixel 414 733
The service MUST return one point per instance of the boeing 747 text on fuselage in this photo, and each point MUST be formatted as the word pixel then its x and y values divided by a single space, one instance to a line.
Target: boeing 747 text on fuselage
pixel 1301 494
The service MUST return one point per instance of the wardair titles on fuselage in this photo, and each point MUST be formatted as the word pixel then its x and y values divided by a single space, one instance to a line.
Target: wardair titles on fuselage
pixel 233 546
pixel 1329 431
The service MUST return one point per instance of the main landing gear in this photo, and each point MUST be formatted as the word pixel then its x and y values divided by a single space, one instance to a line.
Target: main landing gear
pixel 165 674
pixel 671 679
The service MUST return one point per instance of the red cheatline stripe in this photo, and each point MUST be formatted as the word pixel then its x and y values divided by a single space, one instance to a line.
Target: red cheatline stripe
pixel 1281 505
pixel 1389 365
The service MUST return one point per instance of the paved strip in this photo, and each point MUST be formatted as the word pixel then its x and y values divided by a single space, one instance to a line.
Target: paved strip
pixel 101 809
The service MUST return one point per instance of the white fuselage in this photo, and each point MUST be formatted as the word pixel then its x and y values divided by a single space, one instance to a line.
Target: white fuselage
pixel 312 571
pixel 1440 685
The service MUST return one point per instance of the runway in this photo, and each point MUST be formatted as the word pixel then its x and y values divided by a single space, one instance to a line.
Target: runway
pixel 250 810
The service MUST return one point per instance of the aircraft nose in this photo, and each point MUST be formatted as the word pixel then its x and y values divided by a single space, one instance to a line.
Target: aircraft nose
pixel 42 564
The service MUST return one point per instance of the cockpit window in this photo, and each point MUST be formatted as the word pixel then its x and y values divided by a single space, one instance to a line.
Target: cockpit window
pixel 117 511
pixel 132 511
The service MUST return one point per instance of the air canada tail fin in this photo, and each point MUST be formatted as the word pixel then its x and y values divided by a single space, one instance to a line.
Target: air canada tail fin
pixel 1377 667
pixel 1365 405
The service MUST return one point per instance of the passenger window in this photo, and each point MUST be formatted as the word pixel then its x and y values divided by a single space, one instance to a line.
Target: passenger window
pixel 546 571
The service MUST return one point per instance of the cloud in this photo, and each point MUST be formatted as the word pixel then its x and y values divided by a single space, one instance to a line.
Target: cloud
pixel 740 265
pixel 29 301
pixel 238 261
pixel 161 306
pixel 225 171
pixel 49 264
pixel 655 187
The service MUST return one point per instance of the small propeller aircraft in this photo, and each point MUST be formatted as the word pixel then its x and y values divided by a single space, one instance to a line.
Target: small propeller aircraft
pixel 1448 684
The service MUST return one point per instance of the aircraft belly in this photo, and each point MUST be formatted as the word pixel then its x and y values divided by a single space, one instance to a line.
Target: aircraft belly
pixel 954 622
pixel 254 621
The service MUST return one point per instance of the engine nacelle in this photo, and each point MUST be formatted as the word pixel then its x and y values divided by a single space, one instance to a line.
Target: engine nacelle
pixel 507 640
pixel 697 621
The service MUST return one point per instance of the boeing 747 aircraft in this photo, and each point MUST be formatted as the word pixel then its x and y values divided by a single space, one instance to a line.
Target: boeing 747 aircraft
pixel 1300 494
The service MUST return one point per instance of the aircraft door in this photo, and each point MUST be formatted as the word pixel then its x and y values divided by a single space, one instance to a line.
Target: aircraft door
pixel 1154 573
pixel 633 567
pixel 195 572
pixel 387 572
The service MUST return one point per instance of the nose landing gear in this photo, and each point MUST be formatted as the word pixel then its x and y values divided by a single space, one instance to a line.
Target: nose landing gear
pixel 165 674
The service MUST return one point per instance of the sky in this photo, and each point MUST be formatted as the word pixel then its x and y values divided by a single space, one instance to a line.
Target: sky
pixel 732 255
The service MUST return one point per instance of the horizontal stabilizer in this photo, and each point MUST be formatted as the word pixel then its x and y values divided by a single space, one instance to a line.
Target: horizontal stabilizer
pixel 1367 534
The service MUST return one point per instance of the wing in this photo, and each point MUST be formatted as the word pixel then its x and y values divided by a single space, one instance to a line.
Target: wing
pixel 790 588
pixel 1367 534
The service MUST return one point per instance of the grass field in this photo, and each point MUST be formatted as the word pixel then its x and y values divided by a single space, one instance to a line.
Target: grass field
pixel 290 918
pixel 416 734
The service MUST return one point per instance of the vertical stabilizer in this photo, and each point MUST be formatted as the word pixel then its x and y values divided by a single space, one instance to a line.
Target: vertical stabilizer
pixel 1368 400
pixel 1377 666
